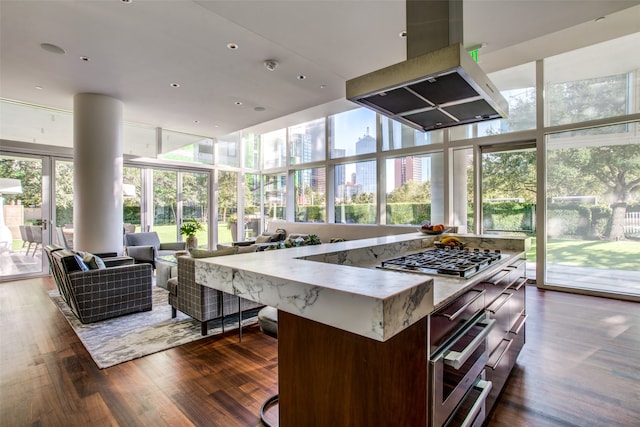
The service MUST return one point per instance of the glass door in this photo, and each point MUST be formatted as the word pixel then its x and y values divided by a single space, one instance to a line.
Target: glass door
pixel 194 204
pixel 165 205
pixel 593 210
pixel 508 193
pixel 24 215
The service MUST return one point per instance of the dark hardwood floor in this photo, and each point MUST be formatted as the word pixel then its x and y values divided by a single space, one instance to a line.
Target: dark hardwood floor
pixel 579 367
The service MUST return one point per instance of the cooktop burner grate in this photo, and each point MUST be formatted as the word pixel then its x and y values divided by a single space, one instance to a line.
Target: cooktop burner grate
pixel 447 261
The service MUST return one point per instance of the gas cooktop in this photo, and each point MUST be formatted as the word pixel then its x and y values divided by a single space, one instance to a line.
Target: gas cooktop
pixel 450 261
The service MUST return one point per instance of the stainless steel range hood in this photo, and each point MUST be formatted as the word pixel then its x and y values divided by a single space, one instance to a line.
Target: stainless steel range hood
pixel 439 85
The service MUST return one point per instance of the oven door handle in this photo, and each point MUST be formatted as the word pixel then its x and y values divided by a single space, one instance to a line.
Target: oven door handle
pixel 462 309
pixel 478 404
pixel 456 359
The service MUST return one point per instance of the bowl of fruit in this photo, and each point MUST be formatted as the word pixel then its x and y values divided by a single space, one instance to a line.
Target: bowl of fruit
pixel 450 241
pixel 432 229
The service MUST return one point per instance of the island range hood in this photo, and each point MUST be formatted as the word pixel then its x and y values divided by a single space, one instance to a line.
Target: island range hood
pixel 439 85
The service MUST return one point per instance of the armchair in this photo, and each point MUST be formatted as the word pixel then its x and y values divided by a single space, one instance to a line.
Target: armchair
pixel 201 302
pixel 146 247
pixel 102 292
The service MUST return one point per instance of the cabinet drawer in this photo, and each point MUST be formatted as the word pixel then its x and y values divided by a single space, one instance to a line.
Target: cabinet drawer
pixel 504 279
pixel 496 284
pixel 518 342
pixel 444 323
pixel 498 368
pixel 516 304
pixel 500 311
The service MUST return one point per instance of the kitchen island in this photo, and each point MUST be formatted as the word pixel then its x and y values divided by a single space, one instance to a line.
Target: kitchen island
pixel 353 340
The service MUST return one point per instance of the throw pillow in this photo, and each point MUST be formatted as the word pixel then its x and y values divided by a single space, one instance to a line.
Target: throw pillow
pixel 70 262
pixel 94 262
pixel 247 249
pixel 201 253
pixel 81 264
pixel 264 238
pixel 279 235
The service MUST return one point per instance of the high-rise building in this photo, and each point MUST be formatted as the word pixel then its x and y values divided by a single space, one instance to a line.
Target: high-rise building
pixel 366 171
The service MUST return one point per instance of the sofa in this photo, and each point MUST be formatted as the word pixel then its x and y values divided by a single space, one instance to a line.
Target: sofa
pixel 201 302
pixel 328 232
pixel 98 288
pixel 146 247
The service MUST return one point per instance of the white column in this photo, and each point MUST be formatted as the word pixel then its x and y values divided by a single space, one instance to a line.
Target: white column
pixel 97 173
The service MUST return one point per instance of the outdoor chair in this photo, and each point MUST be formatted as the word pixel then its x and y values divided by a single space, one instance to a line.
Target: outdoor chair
pixel 23 236
pixel 34 236
pixel 61 239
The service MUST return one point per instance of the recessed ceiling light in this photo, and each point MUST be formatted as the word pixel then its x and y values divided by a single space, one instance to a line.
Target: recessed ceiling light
pixel 301 77
pixel 174 84
pixel 232 46
pixel 196 121
pixel 127 1
pixel 403 34
pixel 39 87
pixel 238 102
pixel 85 58
pixel 259 109
pixel 323 86
pixel 52 48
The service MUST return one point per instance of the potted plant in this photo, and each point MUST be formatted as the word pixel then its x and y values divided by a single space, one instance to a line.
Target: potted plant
pixel 189 228
pixel 232 224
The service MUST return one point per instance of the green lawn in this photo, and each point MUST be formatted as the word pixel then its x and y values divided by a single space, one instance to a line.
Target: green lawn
pixel 622 255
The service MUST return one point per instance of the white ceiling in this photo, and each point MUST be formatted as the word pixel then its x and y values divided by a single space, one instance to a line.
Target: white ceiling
pixel 138 49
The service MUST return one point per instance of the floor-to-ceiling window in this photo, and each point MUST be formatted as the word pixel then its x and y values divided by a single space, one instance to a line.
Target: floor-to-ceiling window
pixel 415 189
pixel 508 187
pixel 592 241
pixel 25 215
pixel 355 202
pixel 63 202
pixel 195 203
pixel 132 205
pixel 227 202
pixel 310 195
pixel 275 196
pixel 165 204
pixel 593 209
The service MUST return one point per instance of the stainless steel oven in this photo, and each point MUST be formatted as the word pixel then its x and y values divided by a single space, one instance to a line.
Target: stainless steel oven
pixel 456 370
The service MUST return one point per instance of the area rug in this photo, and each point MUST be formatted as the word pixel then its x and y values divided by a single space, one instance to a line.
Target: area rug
pixel 129 337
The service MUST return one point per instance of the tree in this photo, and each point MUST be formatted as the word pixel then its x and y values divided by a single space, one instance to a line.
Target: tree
pixel 227 193
pixel 411 192
pixel 509 174
pixel 612 171
pixel 29 176
pixel 164 189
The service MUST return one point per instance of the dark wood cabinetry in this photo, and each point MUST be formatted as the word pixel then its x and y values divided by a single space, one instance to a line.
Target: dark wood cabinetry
pixel 508 336
pixel 452 363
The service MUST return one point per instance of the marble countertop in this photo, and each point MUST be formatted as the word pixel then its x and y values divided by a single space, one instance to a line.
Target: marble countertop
pixel 337 284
